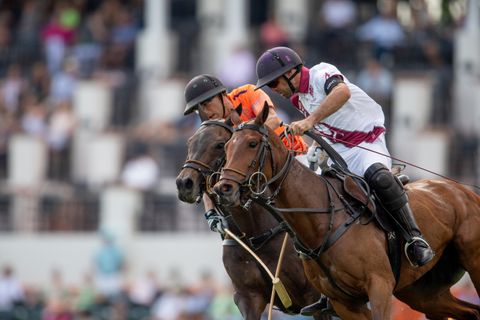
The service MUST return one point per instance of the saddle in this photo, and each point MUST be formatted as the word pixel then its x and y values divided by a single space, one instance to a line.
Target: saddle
pixel 357 188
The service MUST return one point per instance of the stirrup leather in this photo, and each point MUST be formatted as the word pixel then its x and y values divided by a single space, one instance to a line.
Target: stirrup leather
pixel 409 243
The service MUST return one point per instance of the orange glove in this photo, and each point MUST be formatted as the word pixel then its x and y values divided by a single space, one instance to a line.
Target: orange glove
pixel 294 143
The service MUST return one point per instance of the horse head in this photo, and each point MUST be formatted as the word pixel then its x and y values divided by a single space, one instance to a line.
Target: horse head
pixel 205 156
pixel 256 157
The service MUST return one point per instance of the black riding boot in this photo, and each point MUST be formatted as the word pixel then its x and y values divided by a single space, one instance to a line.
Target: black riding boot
pixel 393 197
pixel 417 250
pixel 322 306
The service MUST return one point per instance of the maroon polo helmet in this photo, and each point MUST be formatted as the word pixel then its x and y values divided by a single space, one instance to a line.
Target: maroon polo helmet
pixel 275 62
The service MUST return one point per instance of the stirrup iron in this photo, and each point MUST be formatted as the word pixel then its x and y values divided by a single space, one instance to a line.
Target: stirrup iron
pixel 409 243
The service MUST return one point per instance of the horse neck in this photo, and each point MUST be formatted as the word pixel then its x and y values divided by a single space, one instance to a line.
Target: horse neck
pixel 298 182
pixel 302 188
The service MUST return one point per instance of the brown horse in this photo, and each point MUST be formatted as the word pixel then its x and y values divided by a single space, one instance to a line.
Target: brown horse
pixel 252 285
pixel 356 269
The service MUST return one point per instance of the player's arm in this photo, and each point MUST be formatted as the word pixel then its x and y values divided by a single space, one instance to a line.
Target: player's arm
pixel 337 94
pixel 259 97
pixel 336 97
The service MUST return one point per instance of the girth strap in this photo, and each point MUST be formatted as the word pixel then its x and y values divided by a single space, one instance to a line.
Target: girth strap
pixel 342 229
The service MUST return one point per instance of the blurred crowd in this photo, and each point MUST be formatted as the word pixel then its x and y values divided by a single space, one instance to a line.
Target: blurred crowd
pixel 145 298
pixel 48 46
pixel 142 299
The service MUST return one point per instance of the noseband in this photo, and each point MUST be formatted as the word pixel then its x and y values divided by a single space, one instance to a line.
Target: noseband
pixel 204 169
pixel 256 181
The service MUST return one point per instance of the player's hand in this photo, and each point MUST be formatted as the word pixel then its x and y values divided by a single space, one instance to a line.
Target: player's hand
pixel 299 127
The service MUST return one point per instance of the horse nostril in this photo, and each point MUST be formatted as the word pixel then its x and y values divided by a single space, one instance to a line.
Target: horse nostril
pixel 223 189
pixel 184 184
pixel 226 189
pixel 179 183
pixel 188 184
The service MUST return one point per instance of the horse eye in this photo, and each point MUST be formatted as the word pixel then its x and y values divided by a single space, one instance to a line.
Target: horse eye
pixel 220 145
pixel 253 144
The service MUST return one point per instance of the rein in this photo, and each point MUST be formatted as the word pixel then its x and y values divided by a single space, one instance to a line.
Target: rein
pixel 304 250
pixel 314 134
pixel 207 171
pixel 248 179
pixel 200 166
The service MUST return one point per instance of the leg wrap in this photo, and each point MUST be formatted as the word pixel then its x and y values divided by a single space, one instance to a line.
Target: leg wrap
pixel 393 197
pixel 386 187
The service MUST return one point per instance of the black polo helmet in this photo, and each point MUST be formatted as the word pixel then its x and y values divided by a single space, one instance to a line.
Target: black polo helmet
pixel 201 88
pixel 275 62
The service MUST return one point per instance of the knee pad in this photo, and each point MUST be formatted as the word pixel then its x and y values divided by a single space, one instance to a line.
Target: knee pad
pixel 389 190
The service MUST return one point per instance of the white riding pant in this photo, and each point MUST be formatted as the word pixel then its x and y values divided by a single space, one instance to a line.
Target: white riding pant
pixel 358 159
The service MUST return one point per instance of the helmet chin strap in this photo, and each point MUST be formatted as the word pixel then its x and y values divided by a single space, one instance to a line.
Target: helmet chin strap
pixel 223 106
pixel 289 79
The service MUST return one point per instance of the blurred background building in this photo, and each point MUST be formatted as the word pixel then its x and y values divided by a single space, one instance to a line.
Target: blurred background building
pixel 92 133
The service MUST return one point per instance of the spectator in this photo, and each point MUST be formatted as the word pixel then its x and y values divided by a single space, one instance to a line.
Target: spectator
pixel 59 299
pixel 223 307
pixel 338 14
pixel 124 30
pixel 39 81
pixel 34 117
pixel 439 55
pixel 140 171
pixel 61 126
pixel 56 37
pixel 377 82
pixel 7 54
pixel 201 296
pixel 109 264
pixel 85 299
pixel 145 290
pixel 143 294
pixel 383 31
pixel 87 50
pixel 183 21
pixel 33 304
pixel 170 305
pixel 64 82
pixel 337 41
pixel 8 126
pixel 272 34
pixel 244 72
pixel 12 88
pixel 60 130
pixel 56 310
pixel 27 33
pixel 11 292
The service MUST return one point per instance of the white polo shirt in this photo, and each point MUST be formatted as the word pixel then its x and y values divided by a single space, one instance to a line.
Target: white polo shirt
pixel 360 121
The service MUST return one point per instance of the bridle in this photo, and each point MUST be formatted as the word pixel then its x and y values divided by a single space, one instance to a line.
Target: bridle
pixel 207 171
pixel 255 179
pixel 330 236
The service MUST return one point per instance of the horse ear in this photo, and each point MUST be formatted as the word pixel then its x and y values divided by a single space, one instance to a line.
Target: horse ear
pixel 262 116
pixel 235 116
